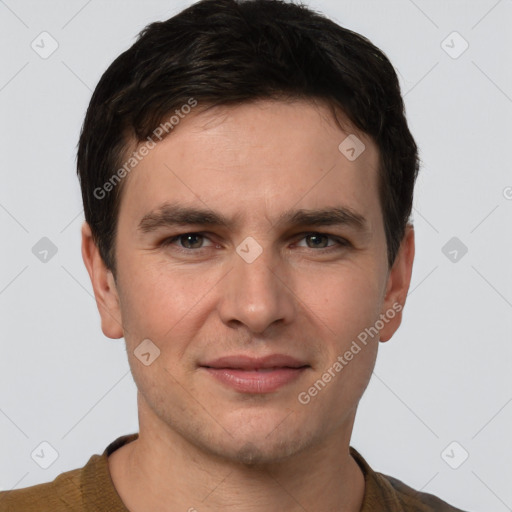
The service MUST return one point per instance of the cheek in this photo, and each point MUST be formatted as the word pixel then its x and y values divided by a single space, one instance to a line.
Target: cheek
pixel 346 301
pixel 342 308
pixel 159 303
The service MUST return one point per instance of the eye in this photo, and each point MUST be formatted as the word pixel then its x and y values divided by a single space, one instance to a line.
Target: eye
pixel 187 241
pixel 319 240
pixel 195 242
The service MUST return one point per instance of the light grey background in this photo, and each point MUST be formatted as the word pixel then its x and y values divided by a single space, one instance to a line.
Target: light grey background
pixel 444 377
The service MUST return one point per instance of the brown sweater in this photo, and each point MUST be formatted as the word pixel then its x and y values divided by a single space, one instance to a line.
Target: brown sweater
pixel 90 489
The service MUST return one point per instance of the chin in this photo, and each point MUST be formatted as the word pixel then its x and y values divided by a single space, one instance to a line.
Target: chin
pixel 261 449
pixel 253 455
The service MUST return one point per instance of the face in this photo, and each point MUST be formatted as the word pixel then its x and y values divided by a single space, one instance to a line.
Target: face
pixel 251 252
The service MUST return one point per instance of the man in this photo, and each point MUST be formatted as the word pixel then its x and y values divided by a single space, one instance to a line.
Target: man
pixel 216 154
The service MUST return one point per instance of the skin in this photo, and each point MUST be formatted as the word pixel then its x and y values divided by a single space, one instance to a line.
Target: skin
pixel 203 445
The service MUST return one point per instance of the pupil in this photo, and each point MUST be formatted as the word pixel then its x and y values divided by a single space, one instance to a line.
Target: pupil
pixel 191 237
pixel 316 237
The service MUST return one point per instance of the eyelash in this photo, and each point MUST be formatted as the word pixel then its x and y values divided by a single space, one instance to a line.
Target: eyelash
pixel 340 242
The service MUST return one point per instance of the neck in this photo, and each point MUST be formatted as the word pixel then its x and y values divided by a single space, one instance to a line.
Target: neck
pixel 163 472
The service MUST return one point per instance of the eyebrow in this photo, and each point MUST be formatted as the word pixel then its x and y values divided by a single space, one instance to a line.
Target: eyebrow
pixel 169 215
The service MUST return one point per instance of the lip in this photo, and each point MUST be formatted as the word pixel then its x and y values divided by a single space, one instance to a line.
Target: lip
pixel 255 375
pixel 244 362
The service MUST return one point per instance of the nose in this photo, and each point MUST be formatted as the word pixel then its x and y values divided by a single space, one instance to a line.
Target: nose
pixel 257 294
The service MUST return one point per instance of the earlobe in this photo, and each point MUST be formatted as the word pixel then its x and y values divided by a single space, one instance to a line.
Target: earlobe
pixel 104 286
pixel 399 280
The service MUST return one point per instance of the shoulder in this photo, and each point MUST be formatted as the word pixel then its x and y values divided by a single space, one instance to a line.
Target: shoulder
pixel 417 501
pixel 384 492
pixel 64 493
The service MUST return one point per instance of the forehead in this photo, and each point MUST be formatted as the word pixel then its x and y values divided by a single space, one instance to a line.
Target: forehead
pixel 257 160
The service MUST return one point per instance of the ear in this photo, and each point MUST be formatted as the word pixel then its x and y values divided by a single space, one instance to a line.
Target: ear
pixel 103 283
pixel 399 279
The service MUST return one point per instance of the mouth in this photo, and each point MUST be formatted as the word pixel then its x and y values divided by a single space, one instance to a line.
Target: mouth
pixel 255 375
